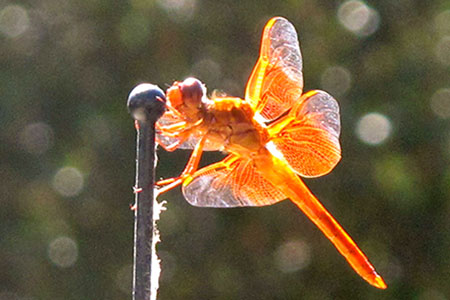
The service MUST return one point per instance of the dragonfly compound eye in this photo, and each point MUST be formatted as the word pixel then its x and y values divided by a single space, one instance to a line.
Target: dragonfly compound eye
pixel 192 90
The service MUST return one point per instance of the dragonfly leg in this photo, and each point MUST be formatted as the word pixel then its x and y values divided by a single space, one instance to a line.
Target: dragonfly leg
pixel 171 130
pixel 192 166
pixel 181 139
pixel 174 111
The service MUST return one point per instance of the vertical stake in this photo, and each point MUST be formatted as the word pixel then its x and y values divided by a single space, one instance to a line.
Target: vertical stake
pixel 146 105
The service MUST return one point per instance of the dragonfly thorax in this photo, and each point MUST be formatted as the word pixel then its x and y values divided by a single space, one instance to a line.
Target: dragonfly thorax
pixel 229 121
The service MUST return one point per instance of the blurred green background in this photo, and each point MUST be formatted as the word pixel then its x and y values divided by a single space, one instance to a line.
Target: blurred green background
pixel 67 148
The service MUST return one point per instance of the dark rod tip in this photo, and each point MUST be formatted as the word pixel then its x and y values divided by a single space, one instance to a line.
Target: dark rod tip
pixel 146 102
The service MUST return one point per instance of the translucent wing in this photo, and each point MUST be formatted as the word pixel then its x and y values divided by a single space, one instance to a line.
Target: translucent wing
pixel 276 82
pixel 168 119
pixel 229 183
pixel 186 139
pixel 310 139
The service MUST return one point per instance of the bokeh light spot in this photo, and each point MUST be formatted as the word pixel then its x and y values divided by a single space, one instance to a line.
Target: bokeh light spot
pixel 440 103
pixel 358 18
pixel 63 252
pixel 207 68
pixel 179 10
pixel 373 128
pixel 336 80
pixel 292 256
pixel 36 138
pixel 14 20
pixel 68 181
pixel 442 22
pixel 443 50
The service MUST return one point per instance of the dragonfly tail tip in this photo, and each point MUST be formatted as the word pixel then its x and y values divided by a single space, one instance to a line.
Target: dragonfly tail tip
pixel 379 282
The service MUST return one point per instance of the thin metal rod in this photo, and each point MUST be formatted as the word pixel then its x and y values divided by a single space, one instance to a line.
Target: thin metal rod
pixel 143 222
pixel 146 104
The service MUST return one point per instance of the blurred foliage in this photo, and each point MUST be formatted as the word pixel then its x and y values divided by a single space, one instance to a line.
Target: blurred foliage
pixel 68 148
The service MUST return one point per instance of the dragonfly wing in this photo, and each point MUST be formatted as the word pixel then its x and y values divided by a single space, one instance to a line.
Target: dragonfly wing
pixel 186 139
pixel 231 182
pixel 167 141
pixel 169 119
pixel 310 140
pixel 189 143
pixel 276 81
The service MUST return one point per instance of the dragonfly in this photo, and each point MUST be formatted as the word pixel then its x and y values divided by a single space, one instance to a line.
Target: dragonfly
pixel 273 136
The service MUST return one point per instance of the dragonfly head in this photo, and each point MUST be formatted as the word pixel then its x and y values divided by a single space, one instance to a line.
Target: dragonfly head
pixel 188 98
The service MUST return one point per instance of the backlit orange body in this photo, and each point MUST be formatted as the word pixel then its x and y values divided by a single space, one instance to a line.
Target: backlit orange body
pixel 273 135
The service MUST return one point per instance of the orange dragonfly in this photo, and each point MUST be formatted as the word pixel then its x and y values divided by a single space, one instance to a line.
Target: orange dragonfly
pixel 273 135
